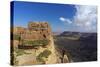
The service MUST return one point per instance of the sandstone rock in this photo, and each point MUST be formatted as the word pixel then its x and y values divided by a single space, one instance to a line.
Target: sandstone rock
pixel 36 31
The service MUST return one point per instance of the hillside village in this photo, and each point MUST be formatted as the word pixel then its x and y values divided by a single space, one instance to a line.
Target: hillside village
pixel 34 45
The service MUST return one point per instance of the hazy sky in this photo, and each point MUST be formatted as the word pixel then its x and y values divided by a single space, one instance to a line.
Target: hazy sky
pixel 61 17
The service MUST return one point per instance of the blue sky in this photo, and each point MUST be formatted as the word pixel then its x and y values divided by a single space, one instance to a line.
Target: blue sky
pixel 59 16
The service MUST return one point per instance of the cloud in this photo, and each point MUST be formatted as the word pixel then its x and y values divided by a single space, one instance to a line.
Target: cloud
pixel 85 18
pixel 65 20
pixel 62 19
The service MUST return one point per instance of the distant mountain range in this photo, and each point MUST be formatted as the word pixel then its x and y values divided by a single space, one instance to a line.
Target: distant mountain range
pixel 82 49
pixel 57 33
pixel 81 35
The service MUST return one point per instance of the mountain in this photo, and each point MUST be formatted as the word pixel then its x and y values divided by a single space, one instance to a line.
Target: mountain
pixel 80 34
pixel 81 46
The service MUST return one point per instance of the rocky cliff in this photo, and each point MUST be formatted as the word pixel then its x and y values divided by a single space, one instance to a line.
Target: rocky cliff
pixel 34 45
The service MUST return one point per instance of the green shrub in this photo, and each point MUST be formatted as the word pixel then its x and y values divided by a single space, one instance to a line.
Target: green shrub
pixel 40 59
pixel 32 43
pixel 20 52
pixel 16 37
pixel 43 42
pixel 43 55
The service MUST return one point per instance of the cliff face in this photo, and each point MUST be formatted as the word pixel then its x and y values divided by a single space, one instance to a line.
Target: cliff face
pixel 36 45
pixel 34 31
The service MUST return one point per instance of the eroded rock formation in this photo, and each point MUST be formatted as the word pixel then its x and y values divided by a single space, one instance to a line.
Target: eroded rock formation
pixel 39 36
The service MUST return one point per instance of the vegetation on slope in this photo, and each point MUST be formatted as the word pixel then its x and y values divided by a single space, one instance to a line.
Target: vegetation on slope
pixel 16 37
pixel 43 56
pixel 34 43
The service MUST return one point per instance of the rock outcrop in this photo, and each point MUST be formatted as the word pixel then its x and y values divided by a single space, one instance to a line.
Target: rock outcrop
pixel 38 35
